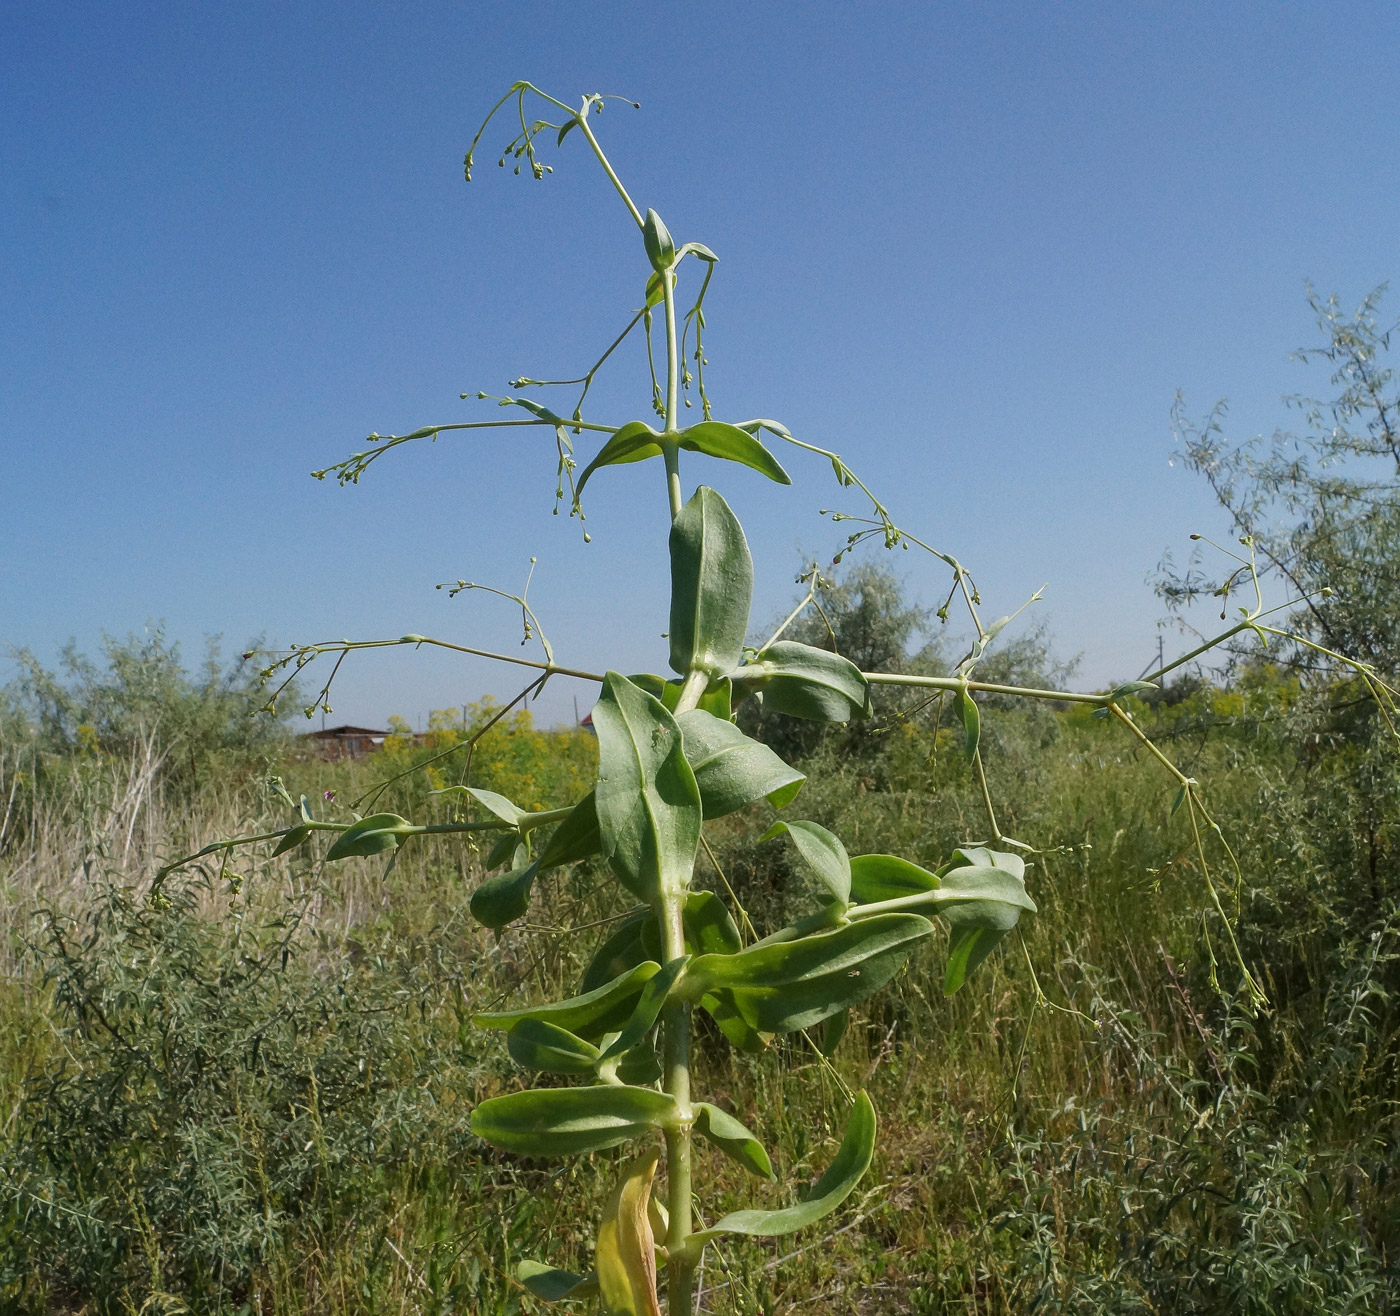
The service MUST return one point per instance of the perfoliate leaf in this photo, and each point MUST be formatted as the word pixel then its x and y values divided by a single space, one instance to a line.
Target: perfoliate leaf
pixel 731 769
pixel 589 1015
pixel 823 852
pixel 647 802
pixel 634 442
pixel 544 1046
pixel 972 723
pixel 801 681
pixel 370 836
pixel 504 898
pixel 732 1138
pixel 548 1122
pixel 851 1162
pixel 781 986
pixel 876 877
pixel 711 586
pixel 729 443
pixel 548 1282
pixel 626 1251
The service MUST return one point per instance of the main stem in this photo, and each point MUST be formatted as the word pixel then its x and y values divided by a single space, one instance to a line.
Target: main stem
pixel 675 1019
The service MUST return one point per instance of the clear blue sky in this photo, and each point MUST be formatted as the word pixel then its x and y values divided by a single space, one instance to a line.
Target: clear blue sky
pixel 976 248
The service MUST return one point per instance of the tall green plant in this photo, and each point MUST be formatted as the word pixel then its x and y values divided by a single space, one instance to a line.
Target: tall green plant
pixel 672 758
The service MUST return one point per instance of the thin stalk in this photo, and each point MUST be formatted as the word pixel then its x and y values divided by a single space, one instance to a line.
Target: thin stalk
pixel 997 837
pixel 582 117
pixel 955 683
pixel 671 450
pixel 673 372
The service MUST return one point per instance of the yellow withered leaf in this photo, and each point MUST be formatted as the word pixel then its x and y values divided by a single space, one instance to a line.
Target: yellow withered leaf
pixel 626 1255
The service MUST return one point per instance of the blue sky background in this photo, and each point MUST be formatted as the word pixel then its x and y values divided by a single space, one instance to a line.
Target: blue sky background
pixel 974 248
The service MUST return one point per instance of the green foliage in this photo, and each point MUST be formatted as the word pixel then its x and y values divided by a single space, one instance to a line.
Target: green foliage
pixel 209 1092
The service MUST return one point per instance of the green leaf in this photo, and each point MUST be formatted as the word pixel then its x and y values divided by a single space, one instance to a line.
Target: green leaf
pixel 648 1008
pixel 711 586
pixel 294 837
pixel 661 248
pixel 982 894
pixel 1131 688
pixel 732 770
pixel 833 1030
pixel 544 1046
pixel 967 948
pixel 972 723
pixel 504 898
pixel 717 699
pixel 876 877
pixel 575 838
pixel 568 127
pixel 851 1162
pixel 647 802
pixel 732 1138
pixel 697 249
pixel 544 1122
pixel 505 851
pixel 983 888
pixel 535 409
pixel 739 1033
pixel 729 443
pixel 823 852
pixel 656 292
pixel 640 1066
pixel 709 929
pixel 498 805
pixel 589 1015
pixel 634 442
pixel 709 926
pixel 781 986
pixel 370 836
pixel 548 1283
pixel 622 951
pixel 801 681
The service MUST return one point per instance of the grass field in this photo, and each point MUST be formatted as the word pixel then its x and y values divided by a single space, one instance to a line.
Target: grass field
pixel 252 1096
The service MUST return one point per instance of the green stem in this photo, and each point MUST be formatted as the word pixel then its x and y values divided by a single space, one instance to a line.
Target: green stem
pixel 671 450
pixel 672 453
pixel 675 1021
pixel 953 683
